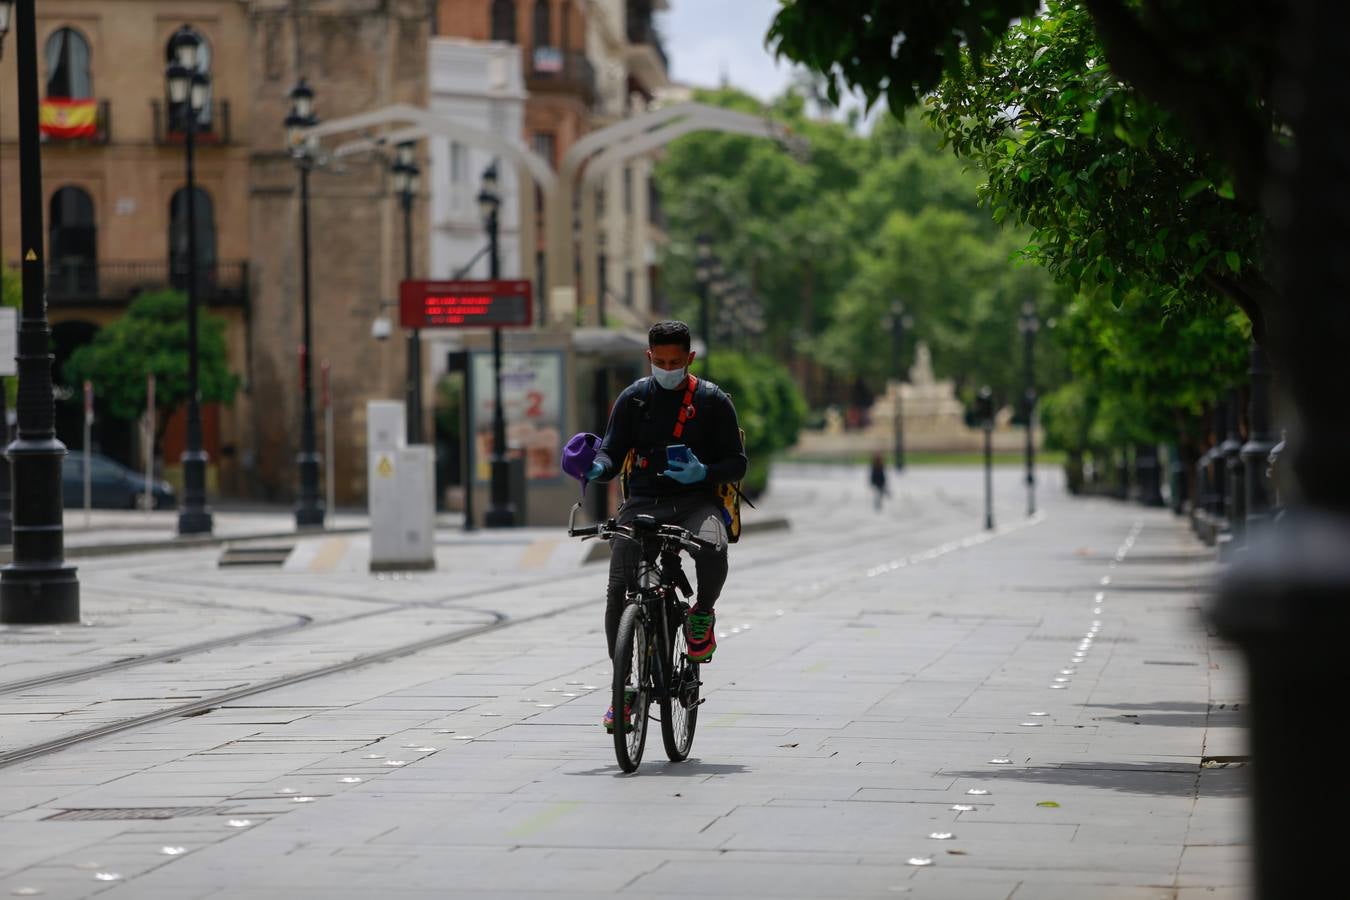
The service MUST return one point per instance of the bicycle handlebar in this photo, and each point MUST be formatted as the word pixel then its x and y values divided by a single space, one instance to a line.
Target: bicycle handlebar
pixel 611 529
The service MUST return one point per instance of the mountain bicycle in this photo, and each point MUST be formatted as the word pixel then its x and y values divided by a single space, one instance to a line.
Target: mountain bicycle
pixel 650 659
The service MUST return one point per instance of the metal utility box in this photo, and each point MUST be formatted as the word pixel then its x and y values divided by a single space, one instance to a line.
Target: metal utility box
pixel 402 492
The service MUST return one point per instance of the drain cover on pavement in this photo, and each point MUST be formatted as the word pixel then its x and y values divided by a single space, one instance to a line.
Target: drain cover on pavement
pixel 133 812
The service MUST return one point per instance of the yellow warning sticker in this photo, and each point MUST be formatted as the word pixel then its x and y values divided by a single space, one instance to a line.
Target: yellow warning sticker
pixel 30 256
pixel 385 467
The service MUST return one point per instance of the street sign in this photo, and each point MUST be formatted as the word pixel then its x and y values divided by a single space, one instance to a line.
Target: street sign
pixel 465 304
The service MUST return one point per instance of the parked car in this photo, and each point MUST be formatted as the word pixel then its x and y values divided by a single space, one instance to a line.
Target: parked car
pixel 112 485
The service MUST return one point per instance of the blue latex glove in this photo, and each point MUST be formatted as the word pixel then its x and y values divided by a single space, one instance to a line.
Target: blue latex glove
pixel 595 471
pixel 689 472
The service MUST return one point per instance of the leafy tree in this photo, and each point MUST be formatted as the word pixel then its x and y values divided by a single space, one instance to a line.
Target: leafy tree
pixel 152 337
pixel 1258 91
pixel 769 405
pixel 776 221
pixel 1119 198
pixel 962 291
pixel 829 241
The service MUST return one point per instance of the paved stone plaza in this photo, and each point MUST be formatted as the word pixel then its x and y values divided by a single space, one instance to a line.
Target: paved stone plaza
pixel 1035 713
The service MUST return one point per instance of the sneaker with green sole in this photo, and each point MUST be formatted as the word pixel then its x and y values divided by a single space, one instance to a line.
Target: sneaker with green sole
pixel 700 635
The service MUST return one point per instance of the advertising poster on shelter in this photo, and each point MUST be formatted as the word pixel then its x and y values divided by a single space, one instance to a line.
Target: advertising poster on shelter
pixel 532 401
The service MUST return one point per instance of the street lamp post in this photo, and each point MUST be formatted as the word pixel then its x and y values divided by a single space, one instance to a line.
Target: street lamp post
pixel 406 175
pixel 188 90
pixel 501 513
pixel 900 323
pixel 703 267
pixel 984 408
pixel 1028 324
pixel 6 523
pixel 37 586
pixel 309 512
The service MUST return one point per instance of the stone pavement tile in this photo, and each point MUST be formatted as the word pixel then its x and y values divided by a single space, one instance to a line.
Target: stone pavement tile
pixel 806 877
pixel 1064 862
pixel 1214 893
pixel 1228 866
pixel 562 824
pixel 1031 888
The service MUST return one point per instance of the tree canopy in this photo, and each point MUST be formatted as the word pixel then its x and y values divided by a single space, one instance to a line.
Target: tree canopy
pixel 152 337
pixel 829 242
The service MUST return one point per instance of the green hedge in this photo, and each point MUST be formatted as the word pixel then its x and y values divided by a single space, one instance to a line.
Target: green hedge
pixel 769 404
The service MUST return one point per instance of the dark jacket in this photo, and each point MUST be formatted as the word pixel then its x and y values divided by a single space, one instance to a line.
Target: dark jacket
pixel 644 419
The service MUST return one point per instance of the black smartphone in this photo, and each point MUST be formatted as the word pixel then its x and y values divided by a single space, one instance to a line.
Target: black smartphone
pixel 677 455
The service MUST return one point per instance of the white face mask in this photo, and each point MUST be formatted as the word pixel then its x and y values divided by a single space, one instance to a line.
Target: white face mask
pixel 669 379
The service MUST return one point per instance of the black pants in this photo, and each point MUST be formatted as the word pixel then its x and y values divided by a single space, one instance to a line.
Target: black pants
pixel 695 512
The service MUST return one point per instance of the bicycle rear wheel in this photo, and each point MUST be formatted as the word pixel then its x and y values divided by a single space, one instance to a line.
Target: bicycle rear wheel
pixel 679 705
pixel 632 691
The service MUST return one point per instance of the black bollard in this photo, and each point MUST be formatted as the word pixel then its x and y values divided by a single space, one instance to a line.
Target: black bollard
pixel 1230 471
pixel 1148 473
pixel 1257 488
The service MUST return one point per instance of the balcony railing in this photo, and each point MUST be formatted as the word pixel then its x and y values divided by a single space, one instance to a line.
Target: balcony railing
pixel 102 132
pixel 169 127
pixel 552 68
pixel 642 29
pixel 81 283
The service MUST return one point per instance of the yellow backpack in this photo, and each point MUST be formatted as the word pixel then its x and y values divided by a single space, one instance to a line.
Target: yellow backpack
pixel 729 494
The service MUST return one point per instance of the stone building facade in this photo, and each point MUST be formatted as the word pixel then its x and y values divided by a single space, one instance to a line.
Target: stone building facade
pixel 113 199
pixel 111 228
pixel 356 55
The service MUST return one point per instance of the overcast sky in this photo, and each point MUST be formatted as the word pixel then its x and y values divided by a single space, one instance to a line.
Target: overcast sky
pixel 705 38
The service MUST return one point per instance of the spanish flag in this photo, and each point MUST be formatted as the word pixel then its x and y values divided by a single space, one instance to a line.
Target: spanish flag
pixel 66 119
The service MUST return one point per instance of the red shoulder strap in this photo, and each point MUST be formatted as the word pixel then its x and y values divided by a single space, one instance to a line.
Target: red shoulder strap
pixel 686 405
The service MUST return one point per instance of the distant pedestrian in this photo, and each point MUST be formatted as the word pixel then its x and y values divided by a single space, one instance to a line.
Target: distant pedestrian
pixel 878 479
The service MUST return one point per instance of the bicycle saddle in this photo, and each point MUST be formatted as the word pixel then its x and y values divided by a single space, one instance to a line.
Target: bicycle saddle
pixel 644 523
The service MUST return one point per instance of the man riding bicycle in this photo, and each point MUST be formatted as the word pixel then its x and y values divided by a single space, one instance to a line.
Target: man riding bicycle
pixel 669 407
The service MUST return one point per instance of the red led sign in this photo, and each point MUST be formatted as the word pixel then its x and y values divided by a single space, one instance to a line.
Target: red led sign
pixel 465 304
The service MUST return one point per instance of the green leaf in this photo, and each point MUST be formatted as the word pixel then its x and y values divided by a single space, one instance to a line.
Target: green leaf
pixel 1195 187
pixel 1234 261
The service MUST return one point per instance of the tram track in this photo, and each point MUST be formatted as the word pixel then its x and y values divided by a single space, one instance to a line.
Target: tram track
pixel 308 622
pixel 499 620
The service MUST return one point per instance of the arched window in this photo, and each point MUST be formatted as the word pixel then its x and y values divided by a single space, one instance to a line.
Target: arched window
pixel 204 214
pixel 72 244
pixel 504 20
pixel 543 25
pixel 68 74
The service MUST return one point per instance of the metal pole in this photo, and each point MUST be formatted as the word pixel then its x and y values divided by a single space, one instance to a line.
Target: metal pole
pixel 1260 441
pixel 329 476
pixel 149 442
pixel 309 511
pixel 466 417
pixel 6 520
pixel 986 410
pixel 194 517
pixel 88 474
pixel 898 416
pixel 37 586
pixel 704 326
pixel 500 513
pixel 600 295
pixel 988 477
pixel 414 386
pixel 1029 325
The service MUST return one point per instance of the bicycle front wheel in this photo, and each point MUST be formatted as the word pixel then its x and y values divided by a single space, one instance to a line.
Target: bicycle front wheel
pixel 679 704
pixel 631 688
